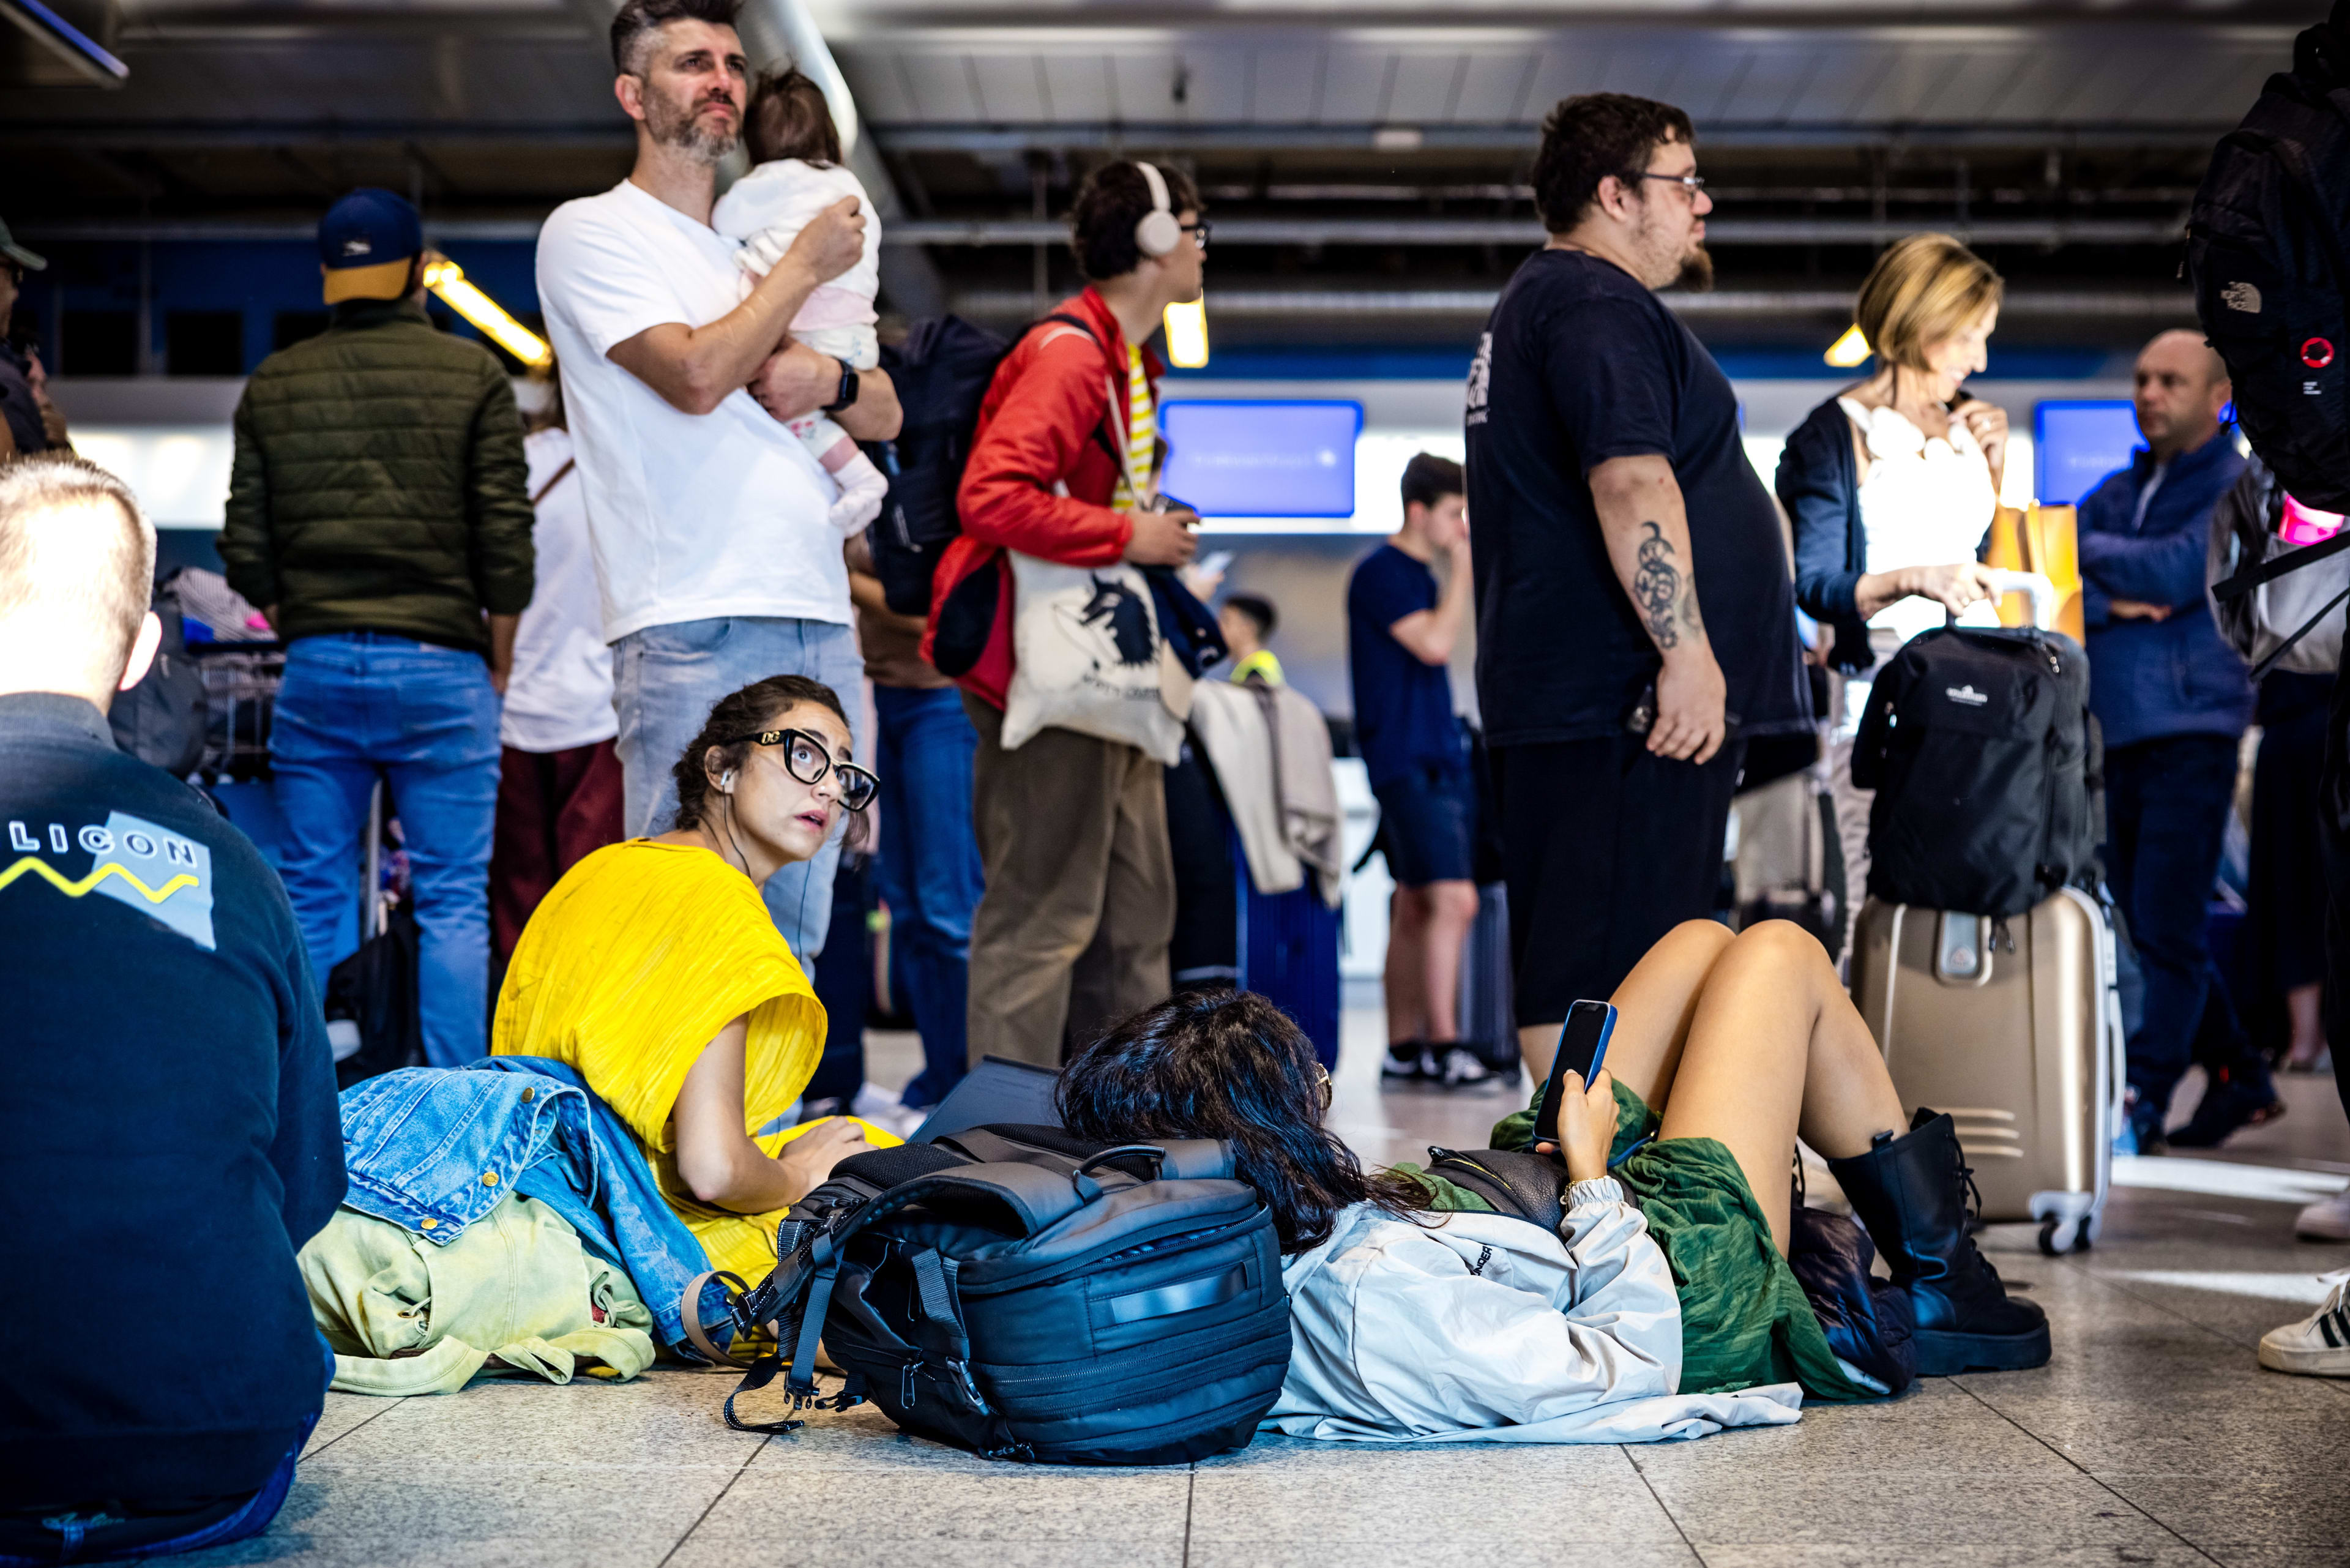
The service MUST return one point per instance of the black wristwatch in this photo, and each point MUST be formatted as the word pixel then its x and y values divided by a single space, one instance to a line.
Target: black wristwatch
pixel 848 393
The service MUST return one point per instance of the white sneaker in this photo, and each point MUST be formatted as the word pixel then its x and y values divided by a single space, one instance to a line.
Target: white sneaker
pixel 2319 1344
pixel 2327 1220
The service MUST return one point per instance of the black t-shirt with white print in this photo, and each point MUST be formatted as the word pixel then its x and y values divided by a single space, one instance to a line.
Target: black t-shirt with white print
pixel 1580 364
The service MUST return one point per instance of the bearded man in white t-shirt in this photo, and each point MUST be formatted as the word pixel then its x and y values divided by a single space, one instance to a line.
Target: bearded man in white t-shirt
pixel 716 560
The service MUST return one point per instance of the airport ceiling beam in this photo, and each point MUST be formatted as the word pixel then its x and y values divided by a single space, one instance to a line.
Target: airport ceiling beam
pixel 1286 303
pixel 908 233
pixel 1415 231
pixel 1512 137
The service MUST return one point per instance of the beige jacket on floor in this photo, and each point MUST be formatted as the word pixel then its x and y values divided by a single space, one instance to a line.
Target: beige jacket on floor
pixel 408 1317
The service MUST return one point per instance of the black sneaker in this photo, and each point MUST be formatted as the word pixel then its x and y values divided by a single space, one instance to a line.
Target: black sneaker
pixel 1409 1062
pixel 2227 1106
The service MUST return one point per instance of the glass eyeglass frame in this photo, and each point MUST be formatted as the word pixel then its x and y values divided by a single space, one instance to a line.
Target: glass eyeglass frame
pixel 1693 183
pixel 1198 230
pixel 850 772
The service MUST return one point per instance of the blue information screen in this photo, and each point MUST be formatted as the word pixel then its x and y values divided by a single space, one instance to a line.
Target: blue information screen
pixel 1262 458
pixel 2077 442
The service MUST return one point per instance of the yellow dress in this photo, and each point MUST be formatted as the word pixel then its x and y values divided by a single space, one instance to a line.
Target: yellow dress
pixel 635 961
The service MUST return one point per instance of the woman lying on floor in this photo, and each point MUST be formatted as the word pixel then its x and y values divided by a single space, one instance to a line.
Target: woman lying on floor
pixel 654 969
pixel 1667 1288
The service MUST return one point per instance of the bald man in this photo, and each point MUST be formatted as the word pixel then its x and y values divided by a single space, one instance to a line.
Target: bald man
pixel 2173 700
pixel 167 1095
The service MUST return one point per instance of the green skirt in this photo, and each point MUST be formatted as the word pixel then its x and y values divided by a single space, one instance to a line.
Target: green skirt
pixel 1744 1320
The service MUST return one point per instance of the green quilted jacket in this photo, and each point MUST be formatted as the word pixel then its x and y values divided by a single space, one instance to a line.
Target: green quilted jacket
pixel 378 483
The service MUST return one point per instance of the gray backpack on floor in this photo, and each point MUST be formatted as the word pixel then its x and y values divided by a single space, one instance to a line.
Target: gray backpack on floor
pixel 1031 1296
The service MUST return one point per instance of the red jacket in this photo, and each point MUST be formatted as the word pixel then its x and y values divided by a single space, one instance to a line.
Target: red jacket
pixel 1045 458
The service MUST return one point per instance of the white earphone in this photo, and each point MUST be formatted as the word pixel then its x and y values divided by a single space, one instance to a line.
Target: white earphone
pixel 726 781
pixel 1155 232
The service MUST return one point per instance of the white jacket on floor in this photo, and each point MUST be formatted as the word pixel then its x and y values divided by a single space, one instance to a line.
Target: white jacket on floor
pixel 1484 1328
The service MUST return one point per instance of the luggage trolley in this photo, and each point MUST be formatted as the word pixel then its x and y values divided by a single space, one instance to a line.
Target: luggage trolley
pixel 241 681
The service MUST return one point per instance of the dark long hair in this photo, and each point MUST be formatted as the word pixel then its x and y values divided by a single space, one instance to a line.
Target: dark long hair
pixel 745 712
pixel 1230 1064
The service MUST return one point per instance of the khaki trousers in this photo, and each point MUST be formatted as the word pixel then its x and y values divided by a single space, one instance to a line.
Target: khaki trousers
pixel 1072 931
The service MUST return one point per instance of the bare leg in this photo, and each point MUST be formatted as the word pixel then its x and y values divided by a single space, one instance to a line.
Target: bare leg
pixel 1404 979
pixel 2308 1026
pixel 1653 1006
pixel 1450 909
pixel 1776 1049
pixel 1656 1004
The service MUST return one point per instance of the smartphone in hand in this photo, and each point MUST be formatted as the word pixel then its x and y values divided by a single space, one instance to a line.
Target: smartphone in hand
pixel 1582 1047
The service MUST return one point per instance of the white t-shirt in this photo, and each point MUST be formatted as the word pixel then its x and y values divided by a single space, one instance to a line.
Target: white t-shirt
pixel 782 197
pixel 1926 502
pixel 561 693
pixel 693 516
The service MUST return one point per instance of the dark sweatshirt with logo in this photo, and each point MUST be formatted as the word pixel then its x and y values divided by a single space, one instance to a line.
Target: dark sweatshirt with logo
pixel 168 1132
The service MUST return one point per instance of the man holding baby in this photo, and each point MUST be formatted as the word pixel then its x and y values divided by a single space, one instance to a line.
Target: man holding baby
pixel 717 529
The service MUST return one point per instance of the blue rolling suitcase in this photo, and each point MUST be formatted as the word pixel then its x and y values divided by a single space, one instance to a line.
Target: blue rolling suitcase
pixel 1289 955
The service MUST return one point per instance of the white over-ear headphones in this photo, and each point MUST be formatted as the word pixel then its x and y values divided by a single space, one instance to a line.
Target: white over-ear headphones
pixel 1155 232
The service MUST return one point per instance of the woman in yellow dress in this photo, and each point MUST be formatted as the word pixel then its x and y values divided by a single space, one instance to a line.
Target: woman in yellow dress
pixel 654 969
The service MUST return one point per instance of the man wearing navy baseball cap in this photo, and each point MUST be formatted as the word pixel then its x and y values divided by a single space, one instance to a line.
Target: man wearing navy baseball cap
pixel 371 245
pixel 378 513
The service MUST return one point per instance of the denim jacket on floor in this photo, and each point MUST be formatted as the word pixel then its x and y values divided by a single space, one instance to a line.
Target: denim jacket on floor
pixel 433 1149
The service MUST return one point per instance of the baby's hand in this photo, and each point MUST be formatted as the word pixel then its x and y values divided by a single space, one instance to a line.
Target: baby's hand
pixel 832 241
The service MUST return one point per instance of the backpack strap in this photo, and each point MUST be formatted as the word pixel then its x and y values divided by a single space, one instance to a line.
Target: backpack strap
pixel 1101 436
pixel 557 478
pixel 2248 577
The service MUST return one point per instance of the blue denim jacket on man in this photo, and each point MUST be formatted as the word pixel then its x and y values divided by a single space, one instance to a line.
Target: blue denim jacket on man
pixel 433 1149
pixel 2175 676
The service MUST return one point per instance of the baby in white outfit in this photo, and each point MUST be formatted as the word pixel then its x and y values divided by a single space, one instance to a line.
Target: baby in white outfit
pixel 799 174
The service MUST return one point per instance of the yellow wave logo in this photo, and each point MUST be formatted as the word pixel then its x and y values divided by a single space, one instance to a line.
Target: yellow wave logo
pixel 72 889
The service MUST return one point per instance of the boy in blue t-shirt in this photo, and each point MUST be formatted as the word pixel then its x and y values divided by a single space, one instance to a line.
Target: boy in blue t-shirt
pixel 1400 630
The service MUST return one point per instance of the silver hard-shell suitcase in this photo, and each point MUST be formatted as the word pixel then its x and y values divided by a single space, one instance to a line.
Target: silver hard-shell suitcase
pixel 2014 1027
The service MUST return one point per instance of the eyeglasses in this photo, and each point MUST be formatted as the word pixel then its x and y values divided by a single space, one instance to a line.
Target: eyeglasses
pixel 807 759
pixel 1199 233
pixel 1693 183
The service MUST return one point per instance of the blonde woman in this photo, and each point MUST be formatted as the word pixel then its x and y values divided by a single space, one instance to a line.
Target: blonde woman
pixel 1891 486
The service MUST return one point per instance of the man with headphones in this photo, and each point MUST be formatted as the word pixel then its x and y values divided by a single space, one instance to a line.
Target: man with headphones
pixel 1073 928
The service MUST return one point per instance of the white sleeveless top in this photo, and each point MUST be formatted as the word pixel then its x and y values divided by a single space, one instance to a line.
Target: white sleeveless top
pixel 1926 502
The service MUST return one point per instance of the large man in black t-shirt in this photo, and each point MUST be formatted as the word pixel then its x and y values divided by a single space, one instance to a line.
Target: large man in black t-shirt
pixel 1635 619
pixel 168 1128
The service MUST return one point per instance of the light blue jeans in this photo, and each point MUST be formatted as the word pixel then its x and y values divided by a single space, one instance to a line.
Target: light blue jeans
pixel 359 706
pixel 666 679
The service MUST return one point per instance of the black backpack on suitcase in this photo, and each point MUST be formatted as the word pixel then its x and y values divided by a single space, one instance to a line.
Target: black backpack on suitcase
pixel 1979 746
pixel 2267 241
pixel 1031 1296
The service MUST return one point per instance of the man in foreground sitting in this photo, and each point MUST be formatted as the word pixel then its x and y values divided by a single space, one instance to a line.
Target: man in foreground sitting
pixel 168 1132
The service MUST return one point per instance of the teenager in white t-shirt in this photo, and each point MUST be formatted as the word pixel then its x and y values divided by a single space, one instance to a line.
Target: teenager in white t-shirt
pixel 717 563
pixel 558 774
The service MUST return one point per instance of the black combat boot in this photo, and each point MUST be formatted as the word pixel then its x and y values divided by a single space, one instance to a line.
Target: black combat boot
pixel 1910 1192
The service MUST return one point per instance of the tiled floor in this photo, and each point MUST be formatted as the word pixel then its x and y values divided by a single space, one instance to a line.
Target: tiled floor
pixel 2151 1438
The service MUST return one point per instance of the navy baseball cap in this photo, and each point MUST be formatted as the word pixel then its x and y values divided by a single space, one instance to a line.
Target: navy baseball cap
pixel 365 242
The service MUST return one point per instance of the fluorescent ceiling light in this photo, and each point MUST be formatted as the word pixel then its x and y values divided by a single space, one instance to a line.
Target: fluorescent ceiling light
pixel 1848 350
pixel 1187 335
pixel 447 279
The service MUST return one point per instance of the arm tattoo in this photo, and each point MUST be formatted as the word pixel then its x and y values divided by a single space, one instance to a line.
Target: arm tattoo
pixel 1662 592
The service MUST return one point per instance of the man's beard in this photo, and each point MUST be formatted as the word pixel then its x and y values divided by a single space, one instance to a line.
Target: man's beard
pixel 685 131
pixel 1697 271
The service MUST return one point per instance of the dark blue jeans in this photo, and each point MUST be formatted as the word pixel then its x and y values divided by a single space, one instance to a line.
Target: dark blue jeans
pixel 86 1539
pixel 928 870
pixel 2166 808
